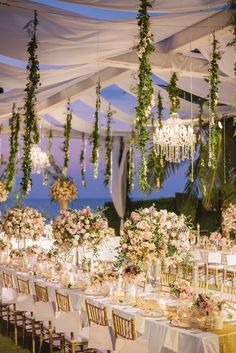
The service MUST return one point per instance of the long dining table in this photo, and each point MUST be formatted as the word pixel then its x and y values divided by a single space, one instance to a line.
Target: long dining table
pixel 161 335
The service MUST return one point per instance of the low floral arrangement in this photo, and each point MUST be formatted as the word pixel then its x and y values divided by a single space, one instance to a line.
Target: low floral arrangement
pixel 16 254
pixel 133 273
pixel 63 189
pixel 3 245
pixel 80 228
pixel 181 289
pixel 215 237
pixel 207 305
pixel 98 277
pixel 229 219
pixel 149 233
pixel 23 223
pixel 25 253
pixel 3 192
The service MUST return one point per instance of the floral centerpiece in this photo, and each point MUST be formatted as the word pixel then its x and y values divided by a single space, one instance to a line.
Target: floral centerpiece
pixel 207 305
pixel 3 192
pixel 148 233
pixel 133 274
pixel 63 190
pixel 3 245
pixel 229 220
pixel 181 289
pixel 215 237
pixel 23 223
pixel 80 228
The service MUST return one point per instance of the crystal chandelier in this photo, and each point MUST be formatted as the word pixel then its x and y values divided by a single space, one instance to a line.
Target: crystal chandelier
pixel 173 140
pixel 39 159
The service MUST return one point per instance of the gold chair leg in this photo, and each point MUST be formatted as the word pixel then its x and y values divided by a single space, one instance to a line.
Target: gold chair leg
pixel 33 335
pixel 15 327
pixel 50 337
pixel 23 329
pixel 41 338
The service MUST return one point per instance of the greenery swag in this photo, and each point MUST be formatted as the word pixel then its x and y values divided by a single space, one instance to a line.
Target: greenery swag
pixel 108 146
pixel 82 159
pixel 173 92
pixel 145 91
pixel 131 162
pixel 213 80
pixel 67 135
pixel 159 108
pixel 31 134
pixel 49 154
pixel 96 133
pixel 11 170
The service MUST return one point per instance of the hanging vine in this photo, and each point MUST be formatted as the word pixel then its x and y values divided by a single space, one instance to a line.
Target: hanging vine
pixel 11 170
pixel 82 159
pixel 96 132
pixel 108 146
pixel 145 91
pixel 31 133
pixel 49 154
pixel 131 162
pixel 213 80
pixel 173 92
pixel 232 43
pixel 159 109
pixel 67 135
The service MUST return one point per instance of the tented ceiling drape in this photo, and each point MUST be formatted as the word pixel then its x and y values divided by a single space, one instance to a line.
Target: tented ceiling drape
pixel 73 48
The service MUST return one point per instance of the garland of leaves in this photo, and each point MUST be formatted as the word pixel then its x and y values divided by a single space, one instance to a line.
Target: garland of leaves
pixel 159 108
pixel 213 97
pixel 108 146
pixel 11 169
pixel 173 92
pixel 67 135
pixel 96 133
pixel 31 134
pixel 232 43
pixel 131 162
pixel 145 94
pixel 82 159
pixel 49 154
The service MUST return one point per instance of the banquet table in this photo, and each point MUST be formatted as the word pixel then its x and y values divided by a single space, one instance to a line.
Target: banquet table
pixel 161 336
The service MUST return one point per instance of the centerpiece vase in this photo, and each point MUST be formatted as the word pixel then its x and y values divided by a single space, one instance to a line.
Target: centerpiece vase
pixel 63 204
pixel 218 321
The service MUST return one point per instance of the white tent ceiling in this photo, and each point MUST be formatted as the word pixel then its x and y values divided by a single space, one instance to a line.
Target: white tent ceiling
pixel 72 47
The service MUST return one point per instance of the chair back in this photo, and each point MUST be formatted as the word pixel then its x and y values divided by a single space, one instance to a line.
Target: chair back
pixel 231 260
pixel 41 293
pixel 166 279
pixel 96 314
pixel 23 286
pixel 8 280
pixel 214 257
pixel 123 327
pixel 63 302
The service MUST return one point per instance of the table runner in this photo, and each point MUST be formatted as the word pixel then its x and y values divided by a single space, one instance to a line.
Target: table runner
pixel 227 338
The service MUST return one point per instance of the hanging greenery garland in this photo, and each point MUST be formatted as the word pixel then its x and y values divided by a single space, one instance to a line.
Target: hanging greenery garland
pixel 213 97
pixel 173 92
pixel 11 170
pixel 49 154
pixel 82 159
pixel 145 91
pixel 232 43
pixel 31 133
pixel 131 162
pixel 67 135
pixel 159 108
pixel 108 146
pixel 96 133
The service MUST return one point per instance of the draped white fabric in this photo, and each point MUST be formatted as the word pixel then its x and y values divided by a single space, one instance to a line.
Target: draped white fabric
pixel 72 48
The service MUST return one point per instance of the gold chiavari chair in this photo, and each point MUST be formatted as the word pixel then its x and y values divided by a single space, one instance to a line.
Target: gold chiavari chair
pixel 123 327
pixel 47 332
pixel 28 319
pixel 214 268
pixel 166 279
pixel 228 293
pixel 8 311
pixel 98 316
pixel 230 269
pixel 70 344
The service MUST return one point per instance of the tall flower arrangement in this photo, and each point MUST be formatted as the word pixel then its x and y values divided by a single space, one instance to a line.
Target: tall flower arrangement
pixel 23 223
pixel 14 123
pixel 80 228
pixel 31 134
pixel 145 92
pixel 96 132
pixel 149 233
pixel 108 146
pixel 213 80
